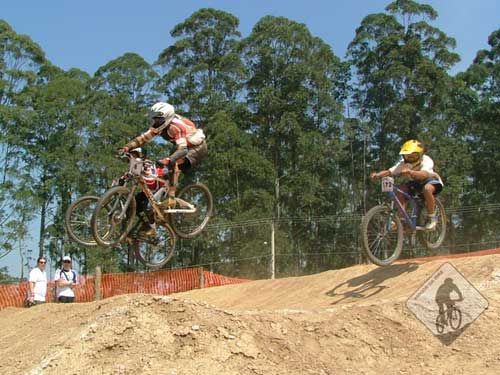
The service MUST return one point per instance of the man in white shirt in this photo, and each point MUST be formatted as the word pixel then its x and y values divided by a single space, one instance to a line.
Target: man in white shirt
pixel 38 282
pixel 66 279
pixel 419 169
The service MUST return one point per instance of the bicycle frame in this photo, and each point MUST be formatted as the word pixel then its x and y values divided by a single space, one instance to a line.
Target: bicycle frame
pixel 135 173
pixel 409 219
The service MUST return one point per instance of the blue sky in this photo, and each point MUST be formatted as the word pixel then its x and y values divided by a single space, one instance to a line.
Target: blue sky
pixel 88 34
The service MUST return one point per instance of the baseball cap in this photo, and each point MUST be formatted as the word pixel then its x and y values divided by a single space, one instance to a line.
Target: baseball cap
pixel 66 257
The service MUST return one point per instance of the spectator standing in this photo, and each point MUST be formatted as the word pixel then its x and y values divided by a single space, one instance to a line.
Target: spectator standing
pixel 66 279
pixel 38 282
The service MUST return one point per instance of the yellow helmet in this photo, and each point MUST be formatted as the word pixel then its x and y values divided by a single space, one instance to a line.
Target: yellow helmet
pixel 411 146
pixel 412 151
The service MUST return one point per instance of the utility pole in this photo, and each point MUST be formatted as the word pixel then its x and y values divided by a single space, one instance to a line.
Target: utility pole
pixel 273 220
pixel 273 258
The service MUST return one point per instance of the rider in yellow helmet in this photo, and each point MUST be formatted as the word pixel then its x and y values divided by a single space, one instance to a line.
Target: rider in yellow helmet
pixel 419 169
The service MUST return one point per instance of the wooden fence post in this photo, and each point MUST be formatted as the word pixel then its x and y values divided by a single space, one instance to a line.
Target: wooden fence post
pixel 97 283
pixel 201 275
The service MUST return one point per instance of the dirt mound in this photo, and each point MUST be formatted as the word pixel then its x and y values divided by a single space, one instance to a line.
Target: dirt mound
pixel 347 321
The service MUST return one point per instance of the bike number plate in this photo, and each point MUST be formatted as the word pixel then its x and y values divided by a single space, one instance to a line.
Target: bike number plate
pixel 136 166
pixel 387 184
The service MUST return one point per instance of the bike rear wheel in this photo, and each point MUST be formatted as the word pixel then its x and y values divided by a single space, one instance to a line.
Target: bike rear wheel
pixel 77 220
pixel 108 227
pixel 432 239
pixel 188 225
pixel 441 322
pixel 156 251
pixel 382 233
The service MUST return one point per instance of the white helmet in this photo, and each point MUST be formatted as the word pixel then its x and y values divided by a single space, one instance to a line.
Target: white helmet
pixel 162 109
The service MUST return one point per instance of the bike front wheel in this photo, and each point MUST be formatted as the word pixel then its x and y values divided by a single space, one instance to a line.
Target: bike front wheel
pixel 77 220
pixel 382 233
pixel 113 218
pixel 188 225
pixel 432 239
pixel 455 318
pixel 154 252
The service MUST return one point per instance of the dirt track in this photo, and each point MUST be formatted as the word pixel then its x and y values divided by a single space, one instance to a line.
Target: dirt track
pixel 338 322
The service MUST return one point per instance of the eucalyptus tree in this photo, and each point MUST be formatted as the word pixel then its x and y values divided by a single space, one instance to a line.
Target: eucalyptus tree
pixel 20 60
pixel 483 76
pixel 402 90
pixel 202 75
pixel 202 71
pixel 402 84
pixel 122 90
pixel 48 136
pixel 294 89
pixel 481 101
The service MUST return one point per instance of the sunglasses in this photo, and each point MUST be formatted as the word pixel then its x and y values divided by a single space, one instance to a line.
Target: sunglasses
pixel 66 261
pixel 42 262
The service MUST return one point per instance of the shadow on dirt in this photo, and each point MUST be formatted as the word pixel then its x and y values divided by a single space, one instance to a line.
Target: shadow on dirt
pixel 369 284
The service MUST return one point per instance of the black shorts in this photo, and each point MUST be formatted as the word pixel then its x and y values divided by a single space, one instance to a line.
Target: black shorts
pixel 415 187
pixel 64 299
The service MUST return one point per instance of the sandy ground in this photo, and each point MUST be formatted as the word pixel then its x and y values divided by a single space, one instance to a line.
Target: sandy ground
pixel 349 321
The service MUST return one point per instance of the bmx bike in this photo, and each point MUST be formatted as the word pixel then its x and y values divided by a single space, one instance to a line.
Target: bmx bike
pixel 384 226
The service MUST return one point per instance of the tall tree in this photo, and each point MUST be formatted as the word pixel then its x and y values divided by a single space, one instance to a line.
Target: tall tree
pixel 401 64
pixel 20 60
pixel 402 89
pixel 48 136
pixel 294 88
pixel 202 69
pixel 483 130
pixel 121 92
pixel 483 76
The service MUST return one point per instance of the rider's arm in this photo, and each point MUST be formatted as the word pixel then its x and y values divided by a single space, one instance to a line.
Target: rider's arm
pixel 140 140
pixel 460 296
pixel 426 169
pixel 418 175
pixel 176 136
pixel 381 174
pixel 179 153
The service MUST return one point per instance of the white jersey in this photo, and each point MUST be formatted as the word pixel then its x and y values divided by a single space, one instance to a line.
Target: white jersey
pixel 426 165
pixel 39 277
pixel 64 275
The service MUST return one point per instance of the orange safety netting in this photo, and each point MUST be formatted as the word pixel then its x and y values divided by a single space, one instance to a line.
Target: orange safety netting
pixel 112 284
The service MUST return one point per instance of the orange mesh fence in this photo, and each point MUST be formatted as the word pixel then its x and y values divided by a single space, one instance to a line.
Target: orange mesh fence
pixel 112 284
pixel 213 279
pixel 159 282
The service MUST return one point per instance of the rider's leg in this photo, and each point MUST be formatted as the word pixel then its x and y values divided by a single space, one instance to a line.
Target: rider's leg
pixel 146 215
pixel 430 203
pixel 401 198
pixel 174 181
pixel 441 307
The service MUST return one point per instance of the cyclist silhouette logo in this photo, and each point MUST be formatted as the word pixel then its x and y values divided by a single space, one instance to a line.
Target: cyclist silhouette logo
pixel 449 314
pixel 447 303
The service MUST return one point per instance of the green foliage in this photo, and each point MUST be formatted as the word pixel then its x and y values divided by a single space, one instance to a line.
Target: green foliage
pixel 5 278
pixel 20 60
pixel 483 77
pixel 403 90
pixel 281 148
pixel 203 70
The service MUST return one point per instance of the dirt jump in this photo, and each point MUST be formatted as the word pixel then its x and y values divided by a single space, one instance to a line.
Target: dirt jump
pixel 348 321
